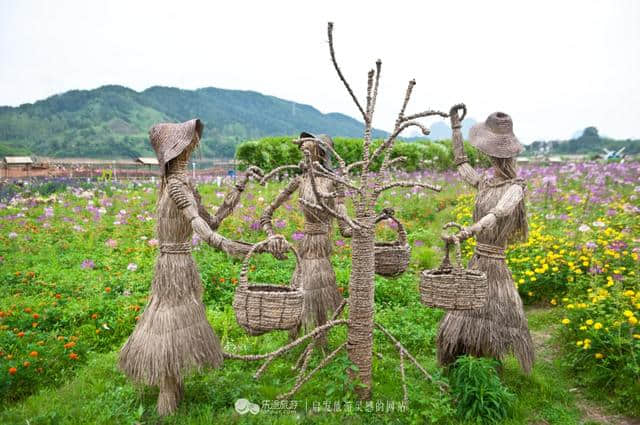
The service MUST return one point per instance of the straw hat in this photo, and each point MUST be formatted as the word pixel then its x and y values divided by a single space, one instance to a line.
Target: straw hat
pixel 326 139
pixel 169 140
pixel 495 136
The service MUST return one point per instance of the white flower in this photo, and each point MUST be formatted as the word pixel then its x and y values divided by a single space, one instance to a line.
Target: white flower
pixel 132 267
pixel 584 228
pixel 598 224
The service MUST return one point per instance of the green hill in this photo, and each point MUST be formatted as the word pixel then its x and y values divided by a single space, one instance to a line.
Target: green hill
pixel 113 121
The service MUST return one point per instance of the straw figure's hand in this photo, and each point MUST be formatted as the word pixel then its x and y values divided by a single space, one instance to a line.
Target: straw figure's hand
pixel 277 246
pixel 456 120
pixel 485 222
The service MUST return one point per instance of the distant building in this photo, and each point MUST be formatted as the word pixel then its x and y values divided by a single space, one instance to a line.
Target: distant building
pixel 18 163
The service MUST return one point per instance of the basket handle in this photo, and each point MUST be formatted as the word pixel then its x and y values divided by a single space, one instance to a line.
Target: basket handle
pixel 449 240
pixel 389 213
pixel 243 281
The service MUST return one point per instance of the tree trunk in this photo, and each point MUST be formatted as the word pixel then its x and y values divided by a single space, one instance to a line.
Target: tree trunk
pixel 361 289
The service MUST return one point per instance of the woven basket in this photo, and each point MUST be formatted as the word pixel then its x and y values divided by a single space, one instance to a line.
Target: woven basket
pixel 453 287
pixel 262 308
pixel 392 258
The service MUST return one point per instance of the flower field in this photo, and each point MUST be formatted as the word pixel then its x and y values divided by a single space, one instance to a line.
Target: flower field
pixel 76 262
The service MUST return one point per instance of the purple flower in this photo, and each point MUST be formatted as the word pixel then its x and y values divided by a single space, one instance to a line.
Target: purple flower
pixel 132 267
pixel 297 236
pixel 281 224
pixel 195 239
pixel 255 225
pixel 87 264
pixel 340 242
pixel 591 245
pixel 48 212
pixel 418 242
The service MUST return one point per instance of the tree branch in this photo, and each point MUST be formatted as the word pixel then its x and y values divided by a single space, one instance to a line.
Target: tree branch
pixel 280 351
pixel 335 64
pixel 435 188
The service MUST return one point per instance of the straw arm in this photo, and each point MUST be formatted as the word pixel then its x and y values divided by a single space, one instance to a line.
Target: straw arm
pixel 277 170
pixel 185 202
pixel 407 96
pixel 374 96
pixel 466 171
pixel 267 216
pixel 435 188
pixel 355 164
pixel 509 201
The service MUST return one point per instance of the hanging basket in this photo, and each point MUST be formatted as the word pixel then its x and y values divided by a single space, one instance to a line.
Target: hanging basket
pixel 262 308
pixel 392 258
pixel 453 287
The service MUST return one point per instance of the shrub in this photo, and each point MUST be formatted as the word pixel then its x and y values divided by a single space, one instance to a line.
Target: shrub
pixel 478 393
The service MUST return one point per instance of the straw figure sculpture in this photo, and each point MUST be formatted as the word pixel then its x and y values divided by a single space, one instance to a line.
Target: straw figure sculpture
pixel 173 334
pixel 322 191
pixel 500 217
pixel 315 273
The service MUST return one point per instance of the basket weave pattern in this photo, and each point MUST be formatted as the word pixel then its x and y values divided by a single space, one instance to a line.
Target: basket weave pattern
pixel 392 258
pixel 453 287
pixel 262 308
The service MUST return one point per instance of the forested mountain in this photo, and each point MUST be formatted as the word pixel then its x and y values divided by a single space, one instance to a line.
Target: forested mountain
pixel 113 121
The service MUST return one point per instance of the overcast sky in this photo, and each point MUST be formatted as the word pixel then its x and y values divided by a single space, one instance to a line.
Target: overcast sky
pixel 555 66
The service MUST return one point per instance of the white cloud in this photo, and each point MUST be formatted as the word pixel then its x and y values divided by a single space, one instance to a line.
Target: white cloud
pixel 555 66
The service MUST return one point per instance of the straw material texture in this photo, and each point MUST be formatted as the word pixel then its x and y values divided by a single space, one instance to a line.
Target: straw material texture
pixel 263 308
pixel 500 326
pixel 495 136
pixel 392 258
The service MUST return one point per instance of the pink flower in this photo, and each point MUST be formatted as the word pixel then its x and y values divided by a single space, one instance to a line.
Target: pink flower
pixel 111 243
pixel 297 236
pixel 87 264
pixel 153 242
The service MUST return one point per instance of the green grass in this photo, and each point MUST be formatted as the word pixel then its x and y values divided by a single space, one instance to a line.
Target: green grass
pixel 100 394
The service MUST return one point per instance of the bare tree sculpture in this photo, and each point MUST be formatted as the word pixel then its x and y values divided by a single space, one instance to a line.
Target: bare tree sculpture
pixel 364 194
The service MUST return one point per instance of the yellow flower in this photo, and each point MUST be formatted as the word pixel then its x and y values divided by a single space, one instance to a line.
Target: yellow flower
pixel 597 326
pixel 629 293
pixel 598 355
pixel 553 301
pixel 633 321
pixel 628 313
pixel 589 322
pixel 566 321
pixel 579 343
pixel 521 281
pixel 636 336
pixel 583 328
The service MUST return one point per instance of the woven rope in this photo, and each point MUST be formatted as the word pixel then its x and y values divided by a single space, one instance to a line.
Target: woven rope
pixel 490 251
pixel 262 308
pixel 392 258
pixel 452 287
pixel 175 248
pixel 315 228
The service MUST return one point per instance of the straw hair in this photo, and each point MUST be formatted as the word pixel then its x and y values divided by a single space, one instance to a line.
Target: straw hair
pixel 495 136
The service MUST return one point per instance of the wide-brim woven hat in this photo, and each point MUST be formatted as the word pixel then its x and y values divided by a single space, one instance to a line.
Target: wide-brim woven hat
pixel 170 139
pixel 495 136
pixel 326 139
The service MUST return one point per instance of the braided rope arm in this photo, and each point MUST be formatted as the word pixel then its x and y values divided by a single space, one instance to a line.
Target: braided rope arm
pixel 185 202
pixel 267 217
